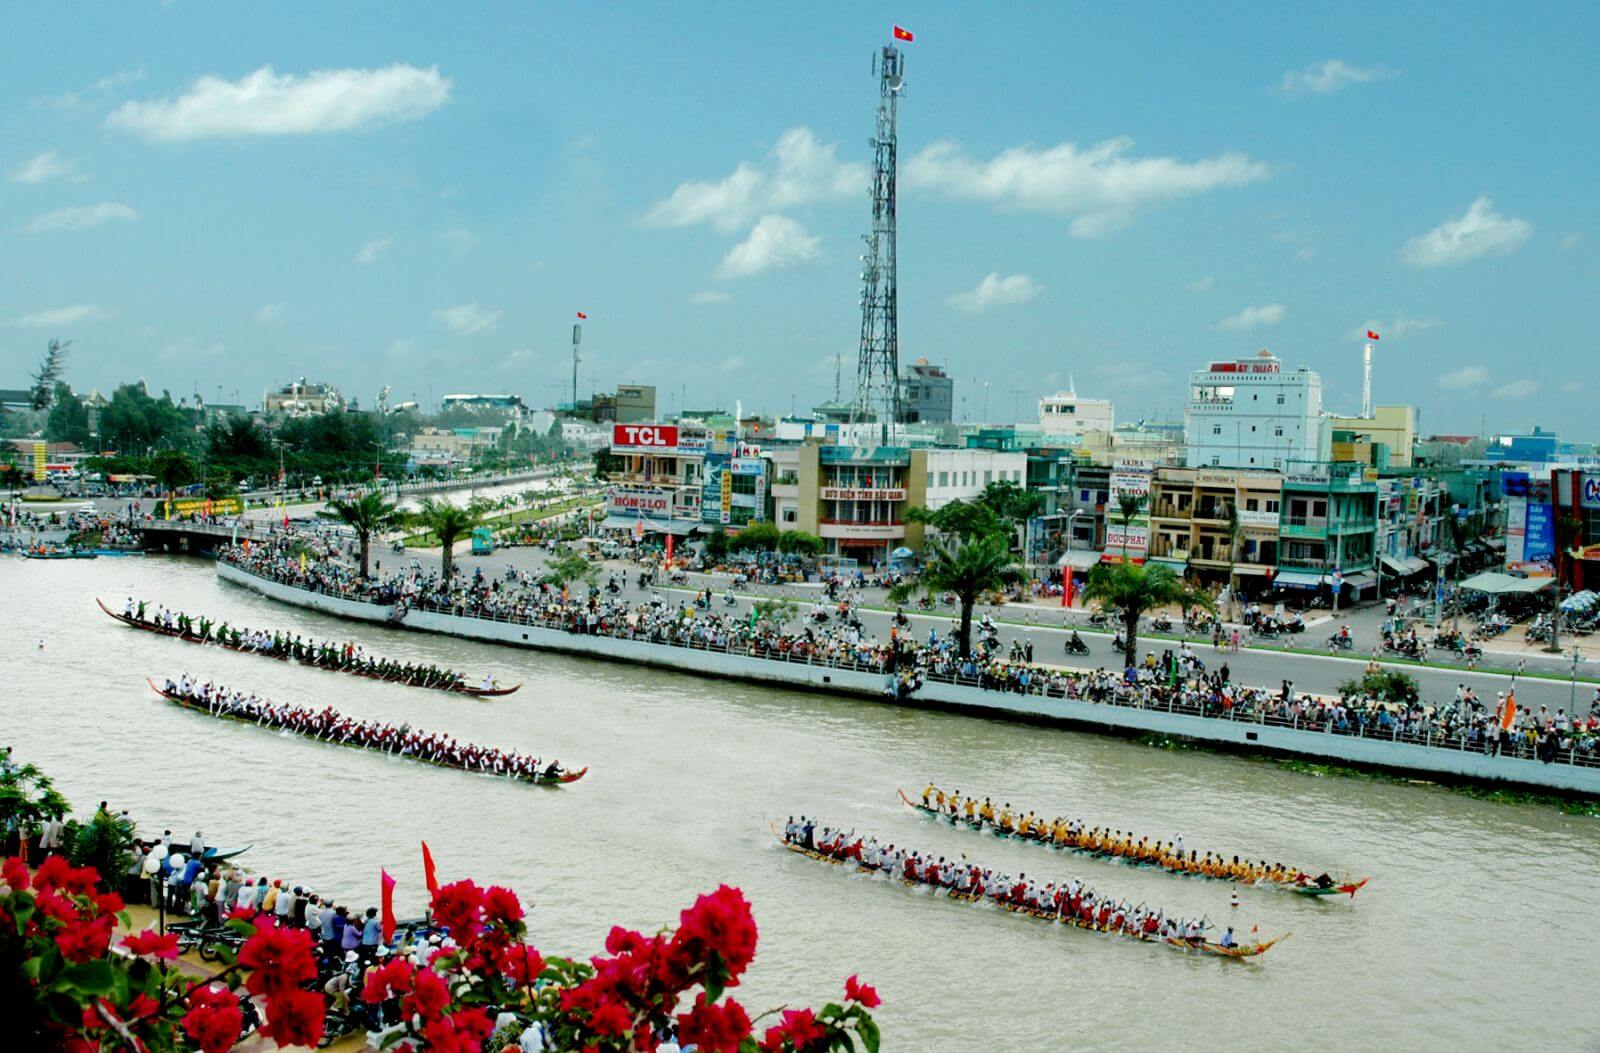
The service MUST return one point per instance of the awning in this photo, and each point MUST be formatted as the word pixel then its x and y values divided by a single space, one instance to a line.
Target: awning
pixel 1179 565
pixel 1361 579
pixel 1252 568
pixel 1078 559
pixel 1443 559
pixel 1404 566
pixel 1297 579
pixel 677 527
pixel 1498 584
pixel 1114 555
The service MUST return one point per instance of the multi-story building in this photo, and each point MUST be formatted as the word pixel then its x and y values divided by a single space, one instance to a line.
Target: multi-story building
pixel 927 394
pixel 1250 413
pixel 657 484
pixel 1189 524
pixel 504 405
pixel 1390 436
pixel 299 399
pixel 1066 416
pixel 1327 531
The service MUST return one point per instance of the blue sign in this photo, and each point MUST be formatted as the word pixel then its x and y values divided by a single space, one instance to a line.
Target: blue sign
pixel 1539 544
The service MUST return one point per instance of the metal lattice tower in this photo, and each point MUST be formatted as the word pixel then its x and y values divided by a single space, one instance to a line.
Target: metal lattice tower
pixel 878 361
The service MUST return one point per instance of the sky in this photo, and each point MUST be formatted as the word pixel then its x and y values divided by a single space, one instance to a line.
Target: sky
pixel 221 197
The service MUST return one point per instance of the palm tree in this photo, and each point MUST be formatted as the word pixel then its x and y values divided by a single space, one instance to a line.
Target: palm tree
pixel 1129 505
pixel 1234 531
pixel 449 523
pixel 1131 590
pixel 367 515
pixel 980 564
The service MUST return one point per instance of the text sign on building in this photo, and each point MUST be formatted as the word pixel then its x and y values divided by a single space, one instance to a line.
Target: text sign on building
pixel 1244 367
pixel 1259 520
pixel 633 501
pixel 847 493
pixel 1589 492
pixel 647 437
pixel 1135 537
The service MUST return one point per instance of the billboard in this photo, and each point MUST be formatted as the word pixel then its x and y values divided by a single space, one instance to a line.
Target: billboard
pixel 645 438
pixel 648 502
pixel 186 507
pixel 39 470
pixel 1135 537
pixel 1539 534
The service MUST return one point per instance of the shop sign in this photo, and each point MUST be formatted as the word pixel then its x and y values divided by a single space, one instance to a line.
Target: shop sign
pixel 649 437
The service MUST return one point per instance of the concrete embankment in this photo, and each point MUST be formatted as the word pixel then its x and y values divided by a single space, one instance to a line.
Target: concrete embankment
pixel 1444 764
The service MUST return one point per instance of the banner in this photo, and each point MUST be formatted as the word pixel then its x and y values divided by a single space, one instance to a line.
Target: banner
pixel 39 471
pixel 187 507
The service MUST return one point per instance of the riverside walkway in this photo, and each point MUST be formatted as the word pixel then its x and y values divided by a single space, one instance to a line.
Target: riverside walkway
pixel 1575 771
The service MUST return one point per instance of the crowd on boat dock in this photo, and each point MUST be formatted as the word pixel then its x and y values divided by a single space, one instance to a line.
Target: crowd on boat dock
pixel 1072 902
pixel 1175 682
pixel 339 656
pixel 329 725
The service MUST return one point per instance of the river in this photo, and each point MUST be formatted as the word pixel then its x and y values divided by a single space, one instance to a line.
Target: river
pixel 1471 935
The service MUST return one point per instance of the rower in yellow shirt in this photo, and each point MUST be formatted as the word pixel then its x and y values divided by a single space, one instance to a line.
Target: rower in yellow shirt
pixel 986 813
pixel 927 795
pixel 1007 820
pixel 969 806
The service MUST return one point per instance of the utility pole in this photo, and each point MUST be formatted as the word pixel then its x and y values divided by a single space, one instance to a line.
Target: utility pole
pixel 577 339
pixel 878 360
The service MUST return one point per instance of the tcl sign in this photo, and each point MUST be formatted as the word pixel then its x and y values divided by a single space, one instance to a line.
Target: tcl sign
pixel 648 436
pixel 1591 491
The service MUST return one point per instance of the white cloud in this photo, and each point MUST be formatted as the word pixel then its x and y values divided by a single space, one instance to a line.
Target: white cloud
pixel 1201 284
pixel 1571 241
pixel 370 252
pixel 1100 187
pixel 709 296
pixel 1253 318
pixel 1324 78
pixel 469 319
pixel 799 170
pixel 731 363
pixel 1480 232
pixel 1463 378
pixel 1397 329
pixel 460 239
pixel 268 313
pixel 775 243
pixel 81 217
pixel 43 168
pixel 1572 386
pixel 995 291
pixel 57 316
pixel 1517 389
pixel 264 103
pixel 96 95
pixel 190 350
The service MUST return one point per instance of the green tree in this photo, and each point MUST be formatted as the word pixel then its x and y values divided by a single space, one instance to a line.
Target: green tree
pixel 449 523
pixel 68 419
pixel 1388 685
pixel 776 612
pixel 607 464
pixel 1010 502
pixel 172 469
pixel 960 520
pixel 237 438
pixel 47 378
pixel 27 799
pixel 1130 590
pixel 800 543
pixel 717 545
pixel 367 515
pixel 135 423
pixel 1129 505
pixel 568 568
pixel 1233 530
pixel 977 565
pixel 757 537
pixel 105 842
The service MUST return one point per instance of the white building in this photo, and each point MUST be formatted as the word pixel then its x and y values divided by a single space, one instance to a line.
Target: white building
pixel 1065 415
pixel 961 475
pixel 1249 413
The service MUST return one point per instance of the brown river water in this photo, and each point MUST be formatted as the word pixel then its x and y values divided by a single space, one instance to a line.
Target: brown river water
pixel 1478 930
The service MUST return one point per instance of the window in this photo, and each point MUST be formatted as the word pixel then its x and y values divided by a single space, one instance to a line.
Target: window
pixel 1278 432
pixel 930 478
pixel 1215 460
pixel 1280 400
pixel 789 515
pixel 944 479
pixel 988 476
pixel 1252 427
pixel 1216 429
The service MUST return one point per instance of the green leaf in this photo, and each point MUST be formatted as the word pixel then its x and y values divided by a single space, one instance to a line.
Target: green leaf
pixel 23 911
pixel 867 1028
pixel 93 978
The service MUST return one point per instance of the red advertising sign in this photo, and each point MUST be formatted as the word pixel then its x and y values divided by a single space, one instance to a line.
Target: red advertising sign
pixel 645 436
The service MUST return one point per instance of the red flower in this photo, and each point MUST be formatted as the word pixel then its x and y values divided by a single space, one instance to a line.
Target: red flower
pixel 720 923
pixel 714 1028
pixel 388 981
pixel 279 959
pixel 501 906
pixel 429 996
pixel 797 1026
pixel 463 1031
pixel 294 1017
pixel 866 994
pixel 520 963
pixel 51 873
pixel 612 1018
pixel 143 1006
pixel 15 873
pixel 213 1020
pixel 82 941
pixel 458 906
pixel 153 943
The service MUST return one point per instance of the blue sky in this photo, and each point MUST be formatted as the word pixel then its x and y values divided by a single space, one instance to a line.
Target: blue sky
pixel 214 196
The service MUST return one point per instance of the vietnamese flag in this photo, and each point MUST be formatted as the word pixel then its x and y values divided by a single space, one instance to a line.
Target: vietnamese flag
pixel 388 905
pixel 903 34
pixel 1371 335
pixel 583 316
pixel 428 873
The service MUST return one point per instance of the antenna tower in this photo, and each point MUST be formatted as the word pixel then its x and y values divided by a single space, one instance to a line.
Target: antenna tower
pixel 878 361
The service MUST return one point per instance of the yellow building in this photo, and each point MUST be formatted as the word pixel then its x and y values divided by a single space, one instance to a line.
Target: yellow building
pixel 1393 426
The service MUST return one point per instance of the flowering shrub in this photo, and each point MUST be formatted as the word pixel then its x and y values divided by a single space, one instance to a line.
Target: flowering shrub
pixel 63 984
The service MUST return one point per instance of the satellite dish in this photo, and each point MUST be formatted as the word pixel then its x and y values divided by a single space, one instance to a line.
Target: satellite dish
pixel 896 82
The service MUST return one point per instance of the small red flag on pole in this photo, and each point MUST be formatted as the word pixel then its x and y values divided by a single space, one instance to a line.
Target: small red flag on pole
pixel 1371 335
pixel 583 316
pixel 903 34
pixel 388 905
pixel 428 873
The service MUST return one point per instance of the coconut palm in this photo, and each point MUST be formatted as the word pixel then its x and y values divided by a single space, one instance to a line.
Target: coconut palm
pixel 978 565
pixel 1129 506
pixel 449 523
pixel 1130 590
pixel 1234 532
pixel 367 515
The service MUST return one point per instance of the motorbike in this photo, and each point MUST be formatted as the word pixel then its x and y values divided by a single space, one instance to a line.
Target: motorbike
pixel 1075 645
pixel 900 619
pixel 729 600
pixel 1099 619
pixel 1162 624
pixel 1343 643
pixel 397 547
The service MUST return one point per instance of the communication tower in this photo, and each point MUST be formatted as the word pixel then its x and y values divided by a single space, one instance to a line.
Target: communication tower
pixel 878 360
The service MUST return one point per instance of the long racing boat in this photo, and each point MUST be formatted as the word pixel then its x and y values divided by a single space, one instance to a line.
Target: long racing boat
pixel 1149 857
pixel 849 857
pixel 459 687
pixel 335 729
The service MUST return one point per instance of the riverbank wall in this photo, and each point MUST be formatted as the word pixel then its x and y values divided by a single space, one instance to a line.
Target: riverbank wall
pixel 1430 762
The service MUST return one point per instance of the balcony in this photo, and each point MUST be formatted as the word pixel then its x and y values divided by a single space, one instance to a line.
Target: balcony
pixel 1303 526
pixel 1303 562
pixel 1168 511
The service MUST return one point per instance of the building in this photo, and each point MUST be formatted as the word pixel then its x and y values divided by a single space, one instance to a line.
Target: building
pixel 657 485
pixel 1327 531
pixel 506 405
pixel 1157 444
pixel 300 399
pixel 1066 416
pixel 452 445
pixel 1250 413
pixel 1189 524
pixel 16 400
pixel 1389 435
pixel 927 394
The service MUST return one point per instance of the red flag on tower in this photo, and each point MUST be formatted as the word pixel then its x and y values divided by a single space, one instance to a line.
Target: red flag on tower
pixel 583 316
pixel 1371 335
pixel 903 34
pixel 388 905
